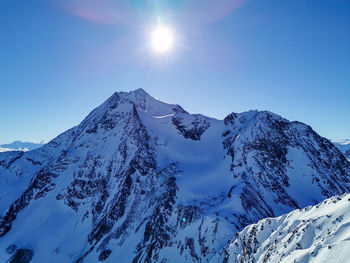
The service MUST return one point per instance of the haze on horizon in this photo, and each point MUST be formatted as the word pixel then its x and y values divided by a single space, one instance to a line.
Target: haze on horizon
pixel 61 59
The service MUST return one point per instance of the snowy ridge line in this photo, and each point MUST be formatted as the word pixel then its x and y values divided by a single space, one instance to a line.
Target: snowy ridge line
pixel 319 233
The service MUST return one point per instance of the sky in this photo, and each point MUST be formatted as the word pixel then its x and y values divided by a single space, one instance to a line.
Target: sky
pixel 59 59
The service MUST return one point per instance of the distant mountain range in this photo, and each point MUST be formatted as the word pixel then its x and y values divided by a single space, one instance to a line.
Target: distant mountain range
pixel 143 181
pixel 20 146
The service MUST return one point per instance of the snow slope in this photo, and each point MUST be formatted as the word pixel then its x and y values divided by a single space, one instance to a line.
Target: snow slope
pixel 319 233
pixel 139 180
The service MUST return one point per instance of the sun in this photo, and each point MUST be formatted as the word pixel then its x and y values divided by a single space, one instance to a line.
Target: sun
pixel 162 39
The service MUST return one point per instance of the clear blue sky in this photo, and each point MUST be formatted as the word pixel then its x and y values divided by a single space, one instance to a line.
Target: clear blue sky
pixel 59 59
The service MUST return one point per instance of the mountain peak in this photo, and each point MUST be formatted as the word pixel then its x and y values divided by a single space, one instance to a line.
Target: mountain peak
pixel 124 103
pixel 133 93
pixel 142 101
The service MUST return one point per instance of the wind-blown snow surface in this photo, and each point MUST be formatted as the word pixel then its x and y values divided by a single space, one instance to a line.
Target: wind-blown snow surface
pixel 140 180
pixel 343 146
pixel 319 233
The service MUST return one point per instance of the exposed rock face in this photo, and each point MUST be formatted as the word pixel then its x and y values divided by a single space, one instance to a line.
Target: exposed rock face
pixel 313 234
pixel 140 180
pixel 270 153
pixel 11 248
pixel 191 126
pixel 22 255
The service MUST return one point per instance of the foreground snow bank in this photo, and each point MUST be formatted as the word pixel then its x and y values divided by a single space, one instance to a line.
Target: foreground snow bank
pixel 318 233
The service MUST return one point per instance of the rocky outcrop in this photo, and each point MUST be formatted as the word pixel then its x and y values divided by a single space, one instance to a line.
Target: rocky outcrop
pixel 312 234
pixel 22 255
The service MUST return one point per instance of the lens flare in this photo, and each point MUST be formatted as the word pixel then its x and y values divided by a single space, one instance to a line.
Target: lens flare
pixel 162 39
pixel 198 12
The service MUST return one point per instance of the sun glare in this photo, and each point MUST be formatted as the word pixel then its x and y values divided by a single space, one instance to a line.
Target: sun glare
pixel 162 39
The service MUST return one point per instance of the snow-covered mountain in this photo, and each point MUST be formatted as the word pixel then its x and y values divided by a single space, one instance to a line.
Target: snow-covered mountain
pixel 20 146
pixel 343 146
pixel 140 180
pixel 319 233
